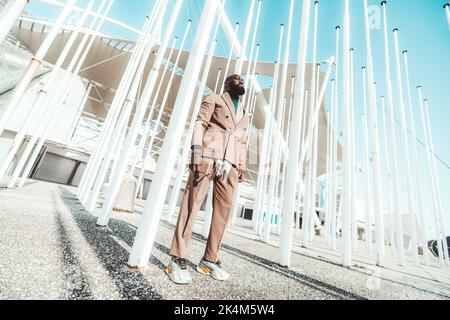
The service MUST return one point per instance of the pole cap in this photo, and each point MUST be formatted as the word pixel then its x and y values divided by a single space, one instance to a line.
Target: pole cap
pixel 419 87
pixel 338 27
pixel 446 5
pixel 383 2
pixel 395 30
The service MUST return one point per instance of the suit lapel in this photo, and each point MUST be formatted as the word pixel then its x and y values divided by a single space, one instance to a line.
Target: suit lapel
pixel 244 119
pixel 226 97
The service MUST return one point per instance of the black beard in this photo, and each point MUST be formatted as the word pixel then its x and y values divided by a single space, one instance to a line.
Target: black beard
pixel 237 91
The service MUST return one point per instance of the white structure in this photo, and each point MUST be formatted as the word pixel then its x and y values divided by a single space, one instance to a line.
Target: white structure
pixel 110 126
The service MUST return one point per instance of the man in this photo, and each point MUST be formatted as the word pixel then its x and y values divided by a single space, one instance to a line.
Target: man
pixel 219 150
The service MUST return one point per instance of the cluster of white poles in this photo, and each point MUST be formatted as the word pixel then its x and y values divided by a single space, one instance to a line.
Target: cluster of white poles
pixel 340 218
pixel 287 178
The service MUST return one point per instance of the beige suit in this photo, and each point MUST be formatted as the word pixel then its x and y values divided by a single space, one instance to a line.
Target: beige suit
pixel 221 136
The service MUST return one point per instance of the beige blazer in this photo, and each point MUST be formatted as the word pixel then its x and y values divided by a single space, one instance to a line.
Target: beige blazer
pixel 219 133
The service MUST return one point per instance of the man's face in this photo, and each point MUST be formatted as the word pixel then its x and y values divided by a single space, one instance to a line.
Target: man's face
pixel 236 86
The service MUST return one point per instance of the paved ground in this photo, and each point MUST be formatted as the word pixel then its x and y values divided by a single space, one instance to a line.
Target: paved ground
pixel 51 249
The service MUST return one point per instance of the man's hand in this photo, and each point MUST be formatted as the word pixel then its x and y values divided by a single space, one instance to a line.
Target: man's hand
pixel 241 175
pixel 196 171
pixel 196 160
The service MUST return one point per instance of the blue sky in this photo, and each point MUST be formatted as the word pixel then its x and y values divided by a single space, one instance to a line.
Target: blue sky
pixel 423 32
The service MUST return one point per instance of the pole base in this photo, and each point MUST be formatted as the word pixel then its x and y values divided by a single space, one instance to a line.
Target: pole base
pixel 136 268
pixel 283 267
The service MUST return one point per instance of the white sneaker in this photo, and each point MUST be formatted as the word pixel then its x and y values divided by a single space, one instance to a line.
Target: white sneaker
pixel 177 271
pixel 215 270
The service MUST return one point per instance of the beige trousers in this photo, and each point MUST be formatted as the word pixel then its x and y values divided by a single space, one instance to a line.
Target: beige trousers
pixel 196 191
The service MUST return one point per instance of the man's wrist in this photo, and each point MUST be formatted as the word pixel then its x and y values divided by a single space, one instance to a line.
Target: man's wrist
pixel 196 147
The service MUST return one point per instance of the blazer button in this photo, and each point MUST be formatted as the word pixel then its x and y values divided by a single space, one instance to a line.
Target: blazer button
pixel 228 117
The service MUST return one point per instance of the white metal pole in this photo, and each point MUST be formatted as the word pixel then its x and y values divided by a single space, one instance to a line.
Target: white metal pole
pixel 353 138
pixel 115 109
pixel 389 176
pixel 261 203
pixel 286 151
pixel 274 108
pixel 219 74
pixel 353 128
pixel 148 123
pixel 249 82
pixel 393 146
pixel 146 232
pixel 248 26
pixel 102 146
pixel 329 162
pixel 275 205
pixel 169 86
pixel 347 152
pixel 314 150
pixel 302 198
pixel 114 112
pixel 187 140
pixel 253 75
pixel 335 145
pixel 36 106
pixel 35 63
pixel 90 198
pixel 117 141
pixel 419 194
pixel 436 182
pixel 9 16
pixel 447 12
pixel 438 222
pixel 118 175
pixel 309 159
pixel 406 153
pixel 258 218
pixel 261 174
pixel 281 190
pixel 440 229
pixel 367 176
pixel 145 147
pixel 379 224
pixel 313 98
pixel 289 206
pixel 46 124
pixel 275 170
pixel 230 55
pixel 312 141
pixel 122 104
